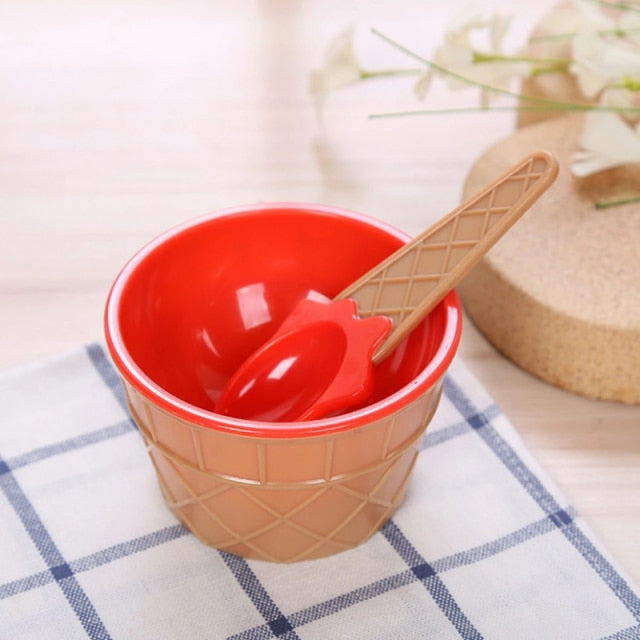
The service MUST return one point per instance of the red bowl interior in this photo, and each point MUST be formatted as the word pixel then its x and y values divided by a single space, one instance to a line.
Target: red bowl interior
pixel 192 305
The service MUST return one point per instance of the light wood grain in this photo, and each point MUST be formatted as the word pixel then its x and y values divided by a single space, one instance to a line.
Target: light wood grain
pixel 119 119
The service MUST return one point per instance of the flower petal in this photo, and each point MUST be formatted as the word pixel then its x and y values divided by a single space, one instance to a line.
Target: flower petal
pixel 607 141
pixel 341 66
pixel 599 61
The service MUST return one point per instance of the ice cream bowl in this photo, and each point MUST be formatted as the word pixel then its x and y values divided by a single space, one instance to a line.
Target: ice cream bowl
pixel 185 312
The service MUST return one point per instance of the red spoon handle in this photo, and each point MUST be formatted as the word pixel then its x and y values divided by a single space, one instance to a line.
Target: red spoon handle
pixel 410 282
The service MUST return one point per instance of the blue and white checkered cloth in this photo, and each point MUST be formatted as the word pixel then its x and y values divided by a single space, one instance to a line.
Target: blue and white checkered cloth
pixel 484 546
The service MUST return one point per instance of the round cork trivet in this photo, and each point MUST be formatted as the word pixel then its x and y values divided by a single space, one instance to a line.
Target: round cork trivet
pixel 559 294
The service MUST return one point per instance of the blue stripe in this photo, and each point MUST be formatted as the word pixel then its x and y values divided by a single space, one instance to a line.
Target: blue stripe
pixel 129 548
pixel 64 446
pixel 346 600
pixel 333 605
pixel 603 568
pixel 434 438
pixel 278 624
pixel 504 543
pixel 631 633
pixel 60 571
pixel 91 561
pixel 434 584
pixel 383 586
pixel 319 610
pixel 22 585
pixel 108 373
pixel 534 487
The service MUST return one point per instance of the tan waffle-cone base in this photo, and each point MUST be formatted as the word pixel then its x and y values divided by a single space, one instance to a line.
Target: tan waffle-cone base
pixel 284 499
pixel 560 293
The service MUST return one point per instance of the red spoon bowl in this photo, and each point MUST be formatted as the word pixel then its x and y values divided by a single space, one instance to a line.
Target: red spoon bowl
pixel 194 303
pixel 321 360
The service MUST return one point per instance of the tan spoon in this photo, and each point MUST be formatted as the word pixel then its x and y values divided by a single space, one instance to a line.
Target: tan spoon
pixel 322 358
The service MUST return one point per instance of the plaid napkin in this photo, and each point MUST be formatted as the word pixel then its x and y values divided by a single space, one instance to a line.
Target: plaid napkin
pixel 484 546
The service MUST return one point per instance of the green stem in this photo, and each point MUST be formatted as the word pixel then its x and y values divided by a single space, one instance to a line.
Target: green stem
pixel 542 65
pixel 534 101
pixel 624 6
pixel 540 71
pixel 479 56
pixel 453 74
pixel 630 84
pixel 621 33
pixel 606 204
pixel 518 108
pixel 387 73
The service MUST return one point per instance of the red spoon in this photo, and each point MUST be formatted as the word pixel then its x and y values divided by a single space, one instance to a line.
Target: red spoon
pixel 321 360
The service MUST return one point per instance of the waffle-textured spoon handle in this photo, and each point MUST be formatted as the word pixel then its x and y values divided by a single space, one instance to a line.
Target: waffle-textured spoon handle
pixel 410 282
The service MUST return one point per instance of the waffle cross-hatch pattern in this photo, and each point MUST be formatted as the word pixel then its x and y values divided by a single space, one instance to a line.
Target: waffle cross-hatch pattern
pixel 328 503
pixel 398 286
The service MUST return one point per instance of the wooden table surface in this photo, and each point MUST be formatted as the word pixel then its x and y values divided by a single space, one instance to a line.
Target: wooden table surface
pixel 119 119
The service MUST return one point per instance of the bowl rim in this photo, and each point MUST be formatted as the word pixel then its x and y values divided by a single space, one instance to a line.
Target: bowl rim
pixel 153 392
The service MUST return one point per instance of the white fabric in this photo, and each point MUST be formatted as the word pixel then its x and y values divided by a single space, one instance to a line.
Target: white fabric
pixel 484 547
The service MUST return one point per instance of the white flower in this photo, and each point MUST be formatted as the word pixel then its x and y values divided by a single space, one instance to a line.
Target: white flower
pixel 464 56
pixel 600 61
pixel 597 42
pixel 341 66
pixel 607 141
pixel 625 100
pixel 553 33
